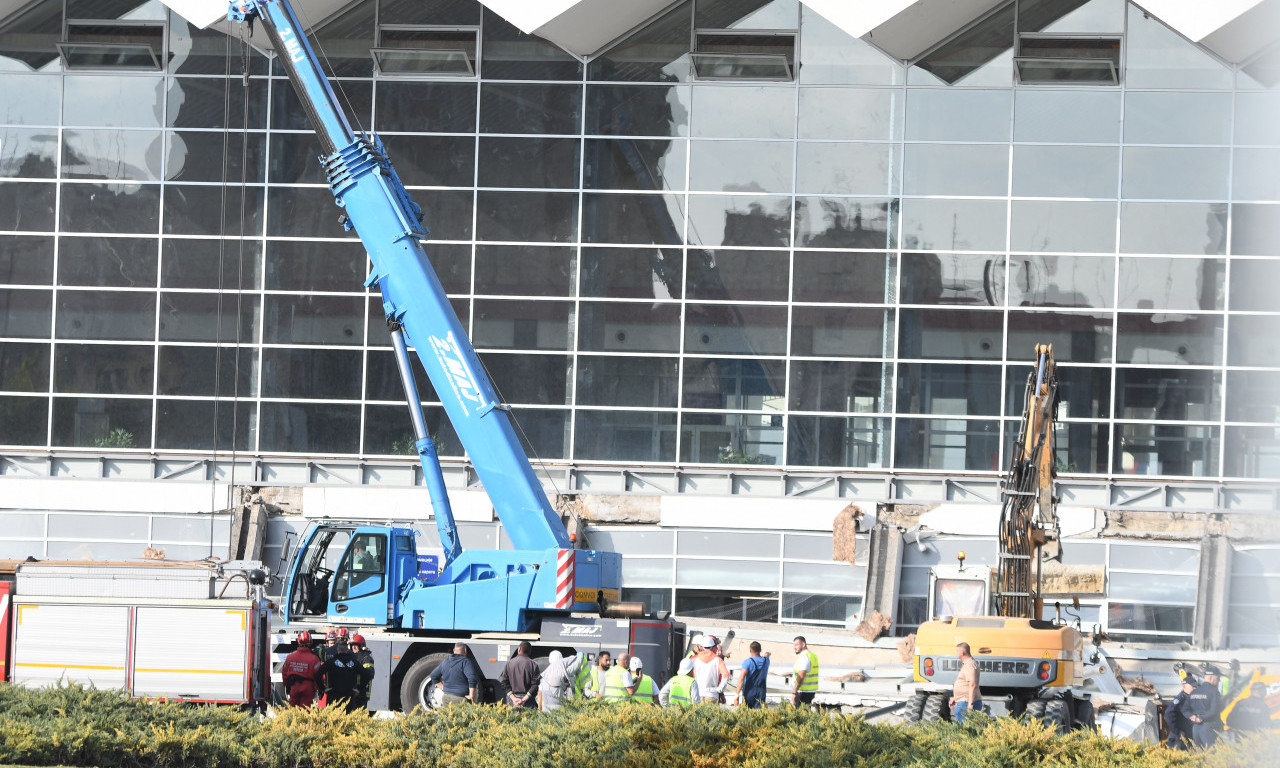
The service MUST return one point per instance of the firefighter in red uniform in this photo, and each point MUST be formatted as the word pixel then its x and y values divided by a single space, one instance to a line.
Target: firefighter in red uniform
pixel 301 673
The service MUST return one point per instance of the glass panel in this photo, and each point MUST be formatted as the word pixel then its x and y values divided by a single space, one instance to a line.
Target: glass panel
pixel 955 334
pixel 525 162
pixel 628 327
pixel 1054 115
pixel 745 546
pixel 657 51
pixel 1150 449
pixel 1168 339
pixel 214 264
pixel 333 320
pixel 834 441
pixel 822 608
pixel 212 210
pixel 28 207
pixel 313 374
pixel 206 371
pixel 40 100
pixel 1063 226
pixel 632 218
pixel 747 112
pixel 1253 396
pixel 825 577
pixel 112 101
pixel 627 381
pixel 287 113
pixel 731 438
pixel 1173 228
pixel 648 165
pixel 123 208
pixel 836 385
pixel 315 266
pixel 1253 453
pixel 959 115
pixel 106 315
pixel 733 383
pixel 829 55
pixel 1078 447
pixel 294 159
pixel 648 570
pixel 1059 281
pixel 631 273
pixel 432 161
pixel 949 390
pixel 346 39
pixel 1255 230
pixel 645 110
pixel 523 324
pixel 1057 171
pixel 847 168
pixel 202 102
pixel 725 329
pixel 197 156
pixel 26 260
pixel 123 155
pixel 24 421
pixel 448 213
pixel 388 432
pixel 24 367
pixel 954 225
pixel 624 436
pixel 452 265
pixel 1172 117
pixel 535 216
pixel 382 379
pixel 1256 117
pixel 530 108
pixel 1253 340
pixel 725 574
pixel 1255 174
pixel 323 428
pixel 103 423
pixel 532 379
pixel 642 542
pixel 509 54
pixel 860 114
pixel 835 222
pixel 1167 588
pixel 426 107
pixel 198 51
pixel 27 153
pixel 978 54
pixel 302 212
pixel 845 278
pixel 952 278
pixel 797 546
pixel 949 444
pixel 25 314
pixel 1171 283
pixel 748 220
pixel 1158 57
pixel 740 166
pixel 524 270
pixel 1165 395
pixel 206 317
pixel 124 262
pixel 956 169
pixel 1176 173
pixel 840 332
pixel 188 425
pixel 738 275
pixel 1076 337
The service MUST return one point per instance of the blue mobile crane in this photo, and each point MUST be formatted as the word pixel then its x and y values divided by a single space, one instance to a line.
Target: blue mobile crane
pixel 369 576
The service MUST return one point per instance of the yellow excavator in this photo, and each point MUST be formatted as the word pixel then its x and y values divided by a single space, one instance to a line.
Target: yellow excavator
pixel 1029 665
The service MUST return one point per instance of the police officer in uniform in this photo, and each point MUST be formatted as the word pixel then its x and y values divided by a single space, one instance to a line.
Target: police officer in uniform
pixel 1203 707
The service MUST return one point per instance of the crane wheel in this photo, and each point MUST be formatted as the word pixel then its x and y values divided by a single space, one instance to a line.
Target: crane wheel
pixel 935 709
pixel 914 706
pixel 414 691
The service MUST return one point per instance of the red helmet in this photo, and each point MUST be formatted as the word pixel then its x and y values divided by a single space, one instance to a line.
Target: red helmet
pixel 357 640
pixel 343 632
pixel 304 638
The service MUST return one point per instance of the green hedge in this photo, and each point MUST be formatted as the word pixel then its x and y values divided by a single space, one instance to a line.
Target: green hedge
pixel 72 726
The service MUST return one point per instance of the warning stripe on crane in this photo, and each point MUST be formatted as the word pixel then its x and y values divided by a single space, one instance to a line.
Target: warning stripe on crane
pixel 564 579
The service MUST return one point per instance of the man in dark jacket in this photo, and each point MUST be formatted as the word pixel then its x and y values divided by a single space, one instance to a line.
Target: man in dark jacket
pixel 364 667
pixel 1176 725
pixel 458 675
pixel 519 678
pixel 1252 714
pixel 341 674
pixel 1204 707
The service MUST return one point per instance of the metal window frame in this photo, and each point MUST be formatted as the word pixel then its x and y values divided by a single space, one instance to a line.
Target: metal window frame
pixel 469 62
pixel 69 47
pixel 763 58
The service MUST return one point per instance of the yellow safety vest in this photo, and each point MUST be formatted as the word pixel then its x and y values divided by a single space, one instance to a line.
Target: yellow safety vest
pixel 681 693
pixel 614 690
pixel 645 691
pixel 810 682
pixel 580 679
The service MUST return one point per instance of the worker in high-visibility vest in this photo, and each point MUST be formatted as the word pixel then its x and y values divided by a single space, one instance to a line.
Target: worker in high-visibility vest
pixel 619 686
pixel 646 692
pixel 595 682
pixel 582 678
pixel 804 686
pixel 681 690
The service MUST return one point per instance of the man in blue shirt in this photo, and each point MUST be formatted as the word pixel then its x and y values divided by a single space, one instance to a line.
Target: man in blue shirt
pixel 753 680
pixel 458 675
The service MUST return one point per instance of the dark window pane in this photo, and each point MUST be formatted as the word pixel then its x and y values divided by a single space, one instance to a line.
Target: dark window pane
pixel 733 383
pixel 827 609
pixel 956 334
pixel 528 162
pixel 843 278
pixel 24 367
pixel 627 381
pixel 303 212
pixel 523 324
pixel 388 432
pixel 657 51
pixel 840 332
pixel 315 266
pixel 631 273
pixel 733 605
pixel 835 385
pixel 531 379
pixel 28 153
pixel 356 100
pixel 1194 228
pixel 524 270
pixel 1170 339
pixel 122 262
pixel 1145 623
pixel 952 278
pixel 188 425
pixel 509 54
pixel 26 260
pixel 1077 338
pixel 199 371
pixel 1058 281
pixel 207 317
pixel 731 438
pixel 948 390
pixel 227 264
pixel 24 420
pixel 648 165
pixel 1083 393
pixel 212 210
pixel 1253 396
pixel 726 329
pixel 844 222
pixel 1255 230
pixel 329 320
pixel 200 102
pixel 104 423
pixel 323 428
pixel 532 216
pixel 638 110
pixel 1168 395
pixel 1252 452
pixel 448 213
pixel 382 379
pixel 295 159
pixel 624 436
pixel 454 12
pixel 1161 449
pixel 111 154
pixel 1254 340
pixel 838 441
pixel 948 444
pixel 530 108
pixel 313 374
pixel 543 432
pixel 28 207
pixel 103 369
pixel 1171 284
pixel 738 275
pixel 630 218
pixel 25 314
pixel 426 106
pixel 628 327
pixel 749 220
pixel 122 208
pixel 346 39
pixel 434 161
pixel 106 315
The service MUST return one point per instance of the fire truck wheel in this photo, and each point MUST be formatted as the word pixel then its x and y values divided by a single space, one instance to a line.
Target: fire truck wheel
pixel 914 706
pixel 413 688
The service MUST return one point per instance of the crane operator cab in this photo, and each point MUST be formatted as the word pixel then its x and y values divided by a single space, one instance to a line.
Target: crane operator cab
pixel 341 573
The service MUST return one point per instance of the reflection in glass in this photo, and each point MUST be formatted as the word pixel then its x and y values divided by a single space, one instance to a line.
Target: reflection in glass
pixel 1254 340
pixel 746 112
pixel 207 317
pixel 28 153
pixel 948 390
pixel 312 374
pixel 947 444
pixel 1173 228
pixel 113 101
pixel 103 369
pixel 1253 285
pixel 843 277
pixel 627 381
pixel 531 216
pixel 522 162
pixel 1065 171
pixel 123 208
pixel 728 329
pixel 737 275
pixel 840 331
pixel 1253 396
pixel 631 273
pixel 657 51
pixel 1077 337
pixel 92 314
pixel 293 265
pixel 632 218
pixel 107 424
pixel 41 95
pixel 330 320
pixel 1176 173
pixel 624 436
pixel 523 324
pixel 628 327
pixel 1177 117
pixel 837 222
pixel 202 102
pixel 532 379
pixel 304 212
pixel 847 168
pixel 1171 284
pixel 842 386
pixel 524 270
pixel 828 54
pixel 838 441
pixel 1168 395
pixel 24 367
pixel 122 262
pixel 315 428
pixel 189 425
pixel 530 108
pixel 731 438
pixel 1056 115
pixel 1166 449
pixel 25 313
pixel 206 371
pixel 1083 393
pixel 1169 339
pixel 212 211
pixel 638 110
pixel 740 166
pixel 952 278
pixel 1255 230
pixel 26 259
pixel 200 156
pixel 956 169
pixel 1063 226
pixel 24 421
pixel 1252 452
pixel 733 383
pixel 941 114
pixel 749 220
pixel 428 106
pixel 954 334
pixel 640 164
pixel 953 225
pixel 27 207
pixel 210 264
pixel 122 155
pixel 1158 57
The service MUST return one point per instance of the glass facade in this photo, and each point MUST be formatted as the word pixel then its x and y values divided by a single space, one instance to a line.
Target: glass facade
pixel 845 269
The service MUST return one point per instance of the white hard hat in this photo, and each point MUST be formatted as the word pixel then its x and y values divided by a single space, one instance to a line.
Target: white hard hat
pixel 701 641
pixel 686 666
pixel 636 663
